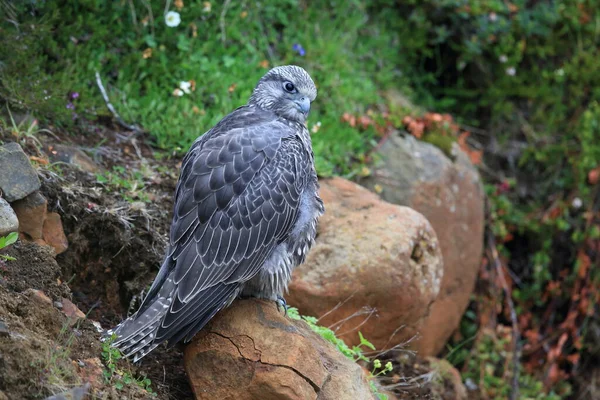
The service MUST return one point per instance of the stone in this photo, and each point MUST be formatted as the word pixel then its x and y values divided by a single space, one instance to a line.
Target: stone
pixel 53 233
pixel 4 331
pixel 8 219
pixel 18 177
pixel 90 371
pixel 251 350
pixel 368 253
pixel 71 310
pixel 76 393
pixel 449 194
pixel 449 380
pixel 31 212
pixel 73 155
pixel 39 296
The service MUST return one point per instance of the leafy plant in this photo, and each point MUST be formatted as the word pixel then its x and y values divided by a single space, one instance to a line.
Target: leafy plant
pixel 7 241
pixel 115 375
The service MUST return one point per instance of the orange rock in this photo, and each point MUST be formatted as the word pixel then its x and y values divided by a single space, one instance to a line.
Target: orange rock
pixel 41 242
pixel 40 296
pixel 90 371
pixel 252 351
pixel 31 213
pixel 368 253
pixel 450 195
pixel 71 310
pixel 53 233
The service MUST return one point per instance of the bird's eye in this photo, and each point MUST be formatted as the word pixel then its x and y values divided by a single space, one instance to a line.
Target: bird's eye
pixel 289 87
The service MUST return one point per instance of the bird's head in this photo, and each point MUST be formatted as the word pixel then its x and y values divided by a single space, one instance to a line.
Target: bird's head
pixel 287 91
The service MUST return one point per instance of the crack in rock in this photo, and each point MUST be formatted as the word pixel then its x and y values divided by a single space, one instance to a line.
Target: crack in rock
pixel 315 387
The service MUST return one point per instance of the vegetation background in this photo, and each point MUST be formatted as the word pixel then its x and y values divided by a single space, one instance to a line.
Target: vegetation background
pixel 520 80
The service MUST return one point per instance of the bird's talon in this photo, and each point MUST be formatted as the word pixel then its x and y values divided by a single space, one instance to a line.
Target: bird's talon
pixel 282 303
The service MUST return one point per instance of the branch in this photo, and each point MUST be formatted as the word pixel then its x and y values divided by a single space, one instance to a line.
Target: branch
pixel 131 127
pixel 516 336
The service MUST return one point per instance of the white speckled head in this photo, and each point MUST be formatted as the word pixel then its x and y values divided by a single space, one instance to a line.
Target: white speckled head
pixel 287 91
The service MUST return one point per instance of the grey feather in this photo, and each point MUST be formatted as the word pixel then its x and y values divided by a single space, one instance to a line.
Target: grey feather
pixel 245 213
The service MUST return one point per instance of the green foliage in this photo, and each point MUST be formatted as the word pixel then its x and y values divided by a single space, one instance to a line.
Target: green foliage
pixel 490 366
pixel 481 57
pixel 7 241
pixel 115 375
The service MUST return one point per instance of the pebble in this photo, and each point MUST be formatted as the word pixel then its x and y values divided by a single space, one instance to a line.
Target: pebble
pixel 4 332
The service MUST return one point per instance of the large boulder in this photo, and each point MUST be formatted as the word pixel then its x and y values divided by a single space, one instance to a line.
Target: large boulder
pixel 252 351
pixel 449 194
pixel 17 177
pixel 368 253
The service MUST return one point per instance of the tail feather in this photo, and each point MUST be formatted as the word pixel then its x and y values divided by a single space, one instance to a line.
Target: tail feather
pixel 142 332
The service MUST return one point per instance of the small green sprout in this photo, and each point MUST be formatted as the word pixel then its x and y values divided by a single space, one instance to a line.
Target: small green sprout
pixel 7 241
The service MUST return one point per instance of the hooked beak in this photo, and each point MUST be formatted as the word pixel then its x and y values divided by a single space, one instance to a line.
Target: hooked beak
pixel 304 104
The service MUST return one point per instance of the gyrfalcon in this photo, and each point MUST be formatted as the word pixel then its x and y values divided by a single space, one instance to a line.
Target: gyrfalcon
pixel 245 215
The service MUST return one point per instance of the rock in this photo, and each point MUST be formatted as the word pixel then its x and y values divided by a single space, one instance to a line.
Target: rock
pixel 77 393
pixel 73 155
pixel 368 253
pixel 4 332
pixel 449 194
pixel 71 311
pixel 31 212
pixel 252 351
pixel 90 371
pixel 449 380
pixel 18 177
pixel 39 296
pixel 8 219
pixel 54 234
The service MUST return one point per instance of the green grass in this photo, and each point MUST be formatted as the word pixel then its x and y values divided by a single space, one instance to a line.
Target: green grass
pixel 224 50
pixel 117 377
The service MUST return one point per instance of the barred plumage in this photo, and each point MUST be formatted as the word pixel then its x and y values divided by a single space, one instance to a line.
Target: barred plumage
pixel 245 214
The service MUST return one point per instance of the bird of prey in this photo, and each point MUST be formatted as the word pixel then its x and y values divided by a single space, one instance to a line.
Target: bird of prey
pixel 245 215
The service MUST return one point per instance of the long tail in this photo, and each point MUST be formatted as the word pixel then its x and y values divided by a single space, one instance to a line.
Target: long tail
pixel 162 316
pixel 136 336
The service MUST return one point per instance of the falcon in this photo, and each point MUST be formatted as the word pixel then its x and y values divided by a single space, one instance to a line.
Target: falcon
pixel 245 215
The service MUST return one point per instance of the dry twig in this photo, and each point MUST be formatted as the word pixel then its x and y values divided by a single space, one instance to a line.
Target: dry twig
pixel 516 335
pixel 131 127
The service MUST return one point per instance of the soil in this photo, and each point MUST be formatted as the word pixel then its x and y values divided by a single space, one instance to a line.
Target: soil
pixel 414 377
pixel 115 250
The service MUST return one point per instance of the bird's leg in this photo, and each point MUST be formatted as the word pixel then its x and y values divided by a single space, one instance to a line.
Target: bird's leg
pixel 282 303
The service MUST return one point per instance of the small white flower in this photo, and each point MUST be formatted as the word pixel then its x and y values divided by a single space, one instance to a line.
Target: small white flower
pixel 503 58
pixel 512 71
pixel 172 19
pixel 185 86
pixel 316 127
pixel 577 203
pixel 560 72
pixel 178 92
pixel 493 16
